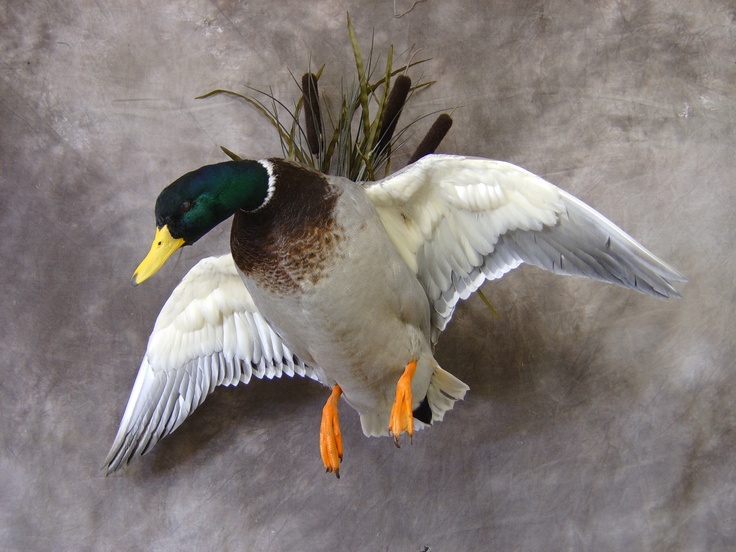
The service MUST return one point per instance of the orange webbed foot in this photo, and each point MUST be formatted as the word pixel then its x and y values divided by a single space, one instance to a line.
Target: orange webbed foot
pixel 330 438
pixel 402 415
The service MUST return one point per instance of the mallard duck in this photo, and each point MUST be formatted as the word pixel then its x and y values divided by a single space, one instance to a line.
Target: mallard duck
pixel 350 284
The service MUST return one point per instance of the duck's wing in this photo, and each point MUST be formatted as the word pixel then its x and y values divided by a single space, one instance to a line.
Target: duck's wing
pixel 208 333
pixel 458 221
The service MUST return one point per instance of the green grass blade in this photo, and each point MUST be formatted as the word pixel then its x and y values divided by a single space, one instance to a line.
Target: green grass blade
pixel 488 304
pixel 231 155
pixel 362 80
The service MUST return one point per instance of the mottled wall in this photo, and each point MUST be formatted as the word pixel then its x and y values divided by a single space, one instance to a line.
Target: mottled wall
pixel 598 419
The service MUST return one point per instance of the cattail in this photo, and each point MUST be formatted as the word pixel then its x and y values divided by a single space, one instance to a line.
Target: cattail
pixel 312 115
pixel 394 105
pixel 432 140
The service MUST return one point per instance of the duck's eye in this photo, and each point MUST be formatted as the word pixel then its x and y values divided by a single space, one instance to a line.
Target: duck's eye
pixel 185 206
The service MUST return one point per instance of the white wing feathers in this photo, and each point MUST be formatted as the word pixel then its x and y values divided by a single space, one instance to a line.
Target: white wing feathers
pixel 458 221
pixel 208 333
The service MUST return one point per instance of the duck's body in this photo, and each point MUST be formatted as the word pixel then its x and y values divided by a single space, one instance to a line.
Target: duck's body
pixel 351 285
pixel 359 333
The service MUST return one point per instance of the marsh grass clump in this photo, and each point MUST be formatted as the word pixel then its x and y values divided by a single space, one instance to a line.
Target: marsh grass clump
pixel 357 142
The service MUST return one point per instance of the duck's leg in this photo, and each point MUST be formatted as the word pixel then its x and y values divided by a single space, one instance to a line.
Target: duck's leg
pixel 402 416
pixel 330 438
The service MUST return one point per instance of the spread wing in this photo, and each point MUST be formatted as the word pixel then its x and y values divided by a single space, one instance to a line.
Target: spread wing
pixel 208 333
pixel 458 221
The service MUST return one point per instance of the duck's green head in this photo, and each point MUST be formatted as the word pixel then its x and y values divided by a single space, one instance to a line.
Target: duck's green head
pixel 194 204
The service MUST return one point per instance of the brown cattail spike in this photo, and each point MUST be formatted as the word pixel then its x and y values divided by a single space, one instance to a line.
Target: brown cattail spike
pixel 394 105
pixel 312 115
pixel 432 140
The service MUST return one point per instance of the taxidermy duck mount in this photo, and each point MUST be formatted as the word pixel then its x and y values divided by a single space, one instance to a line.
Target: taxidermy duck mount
pixel 347 278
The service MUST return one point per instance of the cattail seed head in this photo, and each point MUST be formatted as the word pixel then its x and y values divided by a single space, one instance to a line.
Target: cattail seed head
pixel 394 105
pixel 312 115
pixel 431 141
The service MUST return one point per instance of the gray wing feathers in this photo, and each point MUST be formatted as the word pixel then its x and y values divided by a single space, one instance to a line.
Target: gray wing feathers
pixel 584 243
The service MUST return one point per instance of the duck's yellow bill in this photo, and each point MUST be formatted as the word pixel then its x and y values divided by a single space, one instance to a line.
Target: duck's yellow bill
pixel 162 248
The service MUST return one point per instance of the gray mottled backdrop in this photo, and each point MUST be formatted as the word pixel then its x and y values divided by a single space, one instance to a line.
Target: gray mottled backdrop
pixel 598 418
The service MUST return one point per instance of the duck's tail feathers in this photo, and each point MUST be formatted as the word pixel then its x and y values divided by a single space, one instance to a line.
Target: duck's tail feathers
pixel 444 391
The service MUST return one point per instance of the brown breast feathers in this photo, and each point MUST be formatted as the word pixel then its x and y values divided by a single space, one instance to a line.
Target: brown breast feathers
pixel 288 242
